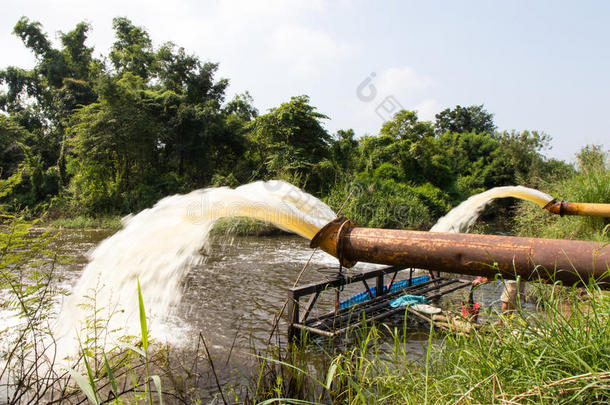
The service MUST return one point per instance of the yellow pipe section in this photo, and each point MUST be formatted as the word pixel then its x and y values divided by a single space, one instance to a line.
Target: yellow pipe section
pixel 586 209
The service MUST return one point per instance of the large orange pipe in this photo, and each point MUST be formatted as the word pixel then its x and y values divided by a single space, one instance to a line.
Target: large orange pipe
pixel 587 209
pixel 486 255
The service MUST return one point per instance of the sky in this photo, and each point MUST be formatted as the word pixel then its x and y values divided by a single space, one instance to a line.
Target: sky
pixel 540 65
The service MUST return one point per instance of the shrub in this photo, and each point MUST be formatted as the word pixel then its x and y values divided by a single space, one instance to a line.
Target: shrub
pixel 590 183
pixel 380 204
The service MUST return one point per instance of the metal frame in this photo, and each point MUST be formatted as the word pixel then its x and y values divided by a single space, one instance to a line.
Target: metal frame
pixel 340 321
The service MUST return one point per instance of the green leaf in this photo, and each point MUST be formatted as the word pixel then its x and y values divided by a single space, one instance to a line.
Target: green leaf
pixel 110 376
pixel 142 319
pixel 89 374
pixel 83 384
pixel 331 375
pixel 157 382
pixel 135 349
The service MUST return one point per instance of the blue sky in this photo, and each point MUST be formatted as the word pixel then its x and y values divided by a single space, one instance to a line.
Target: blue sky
pixel 536 65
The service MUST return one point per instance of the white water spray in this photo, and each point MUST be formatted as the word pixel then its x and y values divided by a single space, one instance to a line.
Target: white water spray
pixel 462 217
pixel 159 245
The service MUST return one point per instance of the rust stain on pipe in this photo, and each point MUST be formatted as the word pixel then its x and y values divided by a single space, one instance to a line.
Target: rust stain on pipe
pixel 586 209
pixel 485 255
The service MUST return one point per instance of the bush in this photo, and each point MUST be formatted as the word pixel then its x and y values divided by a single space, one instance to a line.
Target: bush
pixel 590 183
pixel 434 198
pixel 380 204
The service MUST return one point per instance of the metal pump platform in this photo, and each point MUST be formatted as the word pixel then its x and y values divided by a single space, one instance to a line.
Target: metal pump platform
pixel 568 261
pixel 375 308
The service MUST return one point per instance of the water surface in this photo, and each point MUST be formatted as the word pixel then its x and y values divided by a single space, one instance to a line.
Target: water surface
pixel 233 296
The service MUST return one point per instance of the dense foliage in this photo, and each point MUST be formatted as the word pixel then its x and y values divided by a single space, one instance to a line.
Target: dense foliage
pixel 87 135
pixel 590 182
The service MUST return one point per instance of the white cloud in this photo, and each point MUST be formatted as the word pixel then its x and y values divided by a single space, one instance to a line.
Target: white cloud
pixel 307 52
pixel 230 26
pixel 427 109
pixel 401 81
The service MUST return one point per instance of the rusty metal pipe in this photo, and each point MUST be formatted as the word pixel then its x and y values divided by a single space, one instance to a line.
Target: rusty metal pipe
pixel 485 255
pixel 570 208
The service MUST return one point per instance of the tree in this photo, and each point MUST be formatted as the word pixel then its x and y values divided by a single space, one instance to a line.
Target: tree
pixel 46 82
pixel 593 157
pixel 470 156
pixel 345 149
pixel 291 142
pixel 195 135
pixel 242 107
pixel 11 154
pixel 406 126
pixel 409 144
pixel 147 121
pixel 158 126
pixel 465 119
pixel 132 51
pixel 41 100
pixel 114 143
pixel 518 159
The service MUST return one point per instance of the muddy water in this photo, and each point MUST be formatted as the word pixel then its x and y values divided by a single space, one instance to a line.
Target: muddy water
pixel 238 282
pixel 240 285
pixel 234 295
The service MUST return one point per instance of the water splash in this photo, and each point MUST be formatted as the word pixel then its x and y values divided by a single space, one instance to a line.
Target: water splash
pixel 462 217
pixel 159 245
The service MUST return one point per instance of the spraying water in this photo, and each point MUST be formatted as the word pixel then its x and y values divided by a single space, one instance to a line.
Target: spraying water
pixel 461 218
pixel 159 245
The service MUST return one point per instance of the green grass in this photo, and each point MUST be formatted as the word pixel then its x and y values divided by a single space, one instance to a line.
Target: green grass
pixel 244 227
pixel 81 222
pixel 560 353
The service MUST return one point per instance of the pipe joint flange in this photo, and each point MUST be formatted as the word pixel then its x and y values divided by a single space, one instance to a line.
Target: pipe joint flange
pixel 331 238
pixel 345 227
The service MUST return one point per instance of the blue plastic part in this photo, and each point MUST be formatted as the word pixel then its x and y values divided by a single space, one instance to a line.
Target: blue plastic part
pixel 396 286
pixel 407 300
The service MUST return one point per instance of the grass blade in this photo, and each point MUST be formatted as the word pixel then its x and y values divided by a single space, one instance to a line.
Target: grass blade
pixel 89 374
pixel 157 380
pixel 115 390
pixel 84 385
pixel 135 349
pixel 144 328
pixel 331 375
pixel 143 325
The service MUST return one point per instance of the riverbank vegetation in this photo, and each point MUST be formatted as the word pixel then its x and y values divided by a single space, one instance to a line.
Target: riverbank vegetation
pixel 84 221
pixel 557 353
pixel 103 366
pixel 589 182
